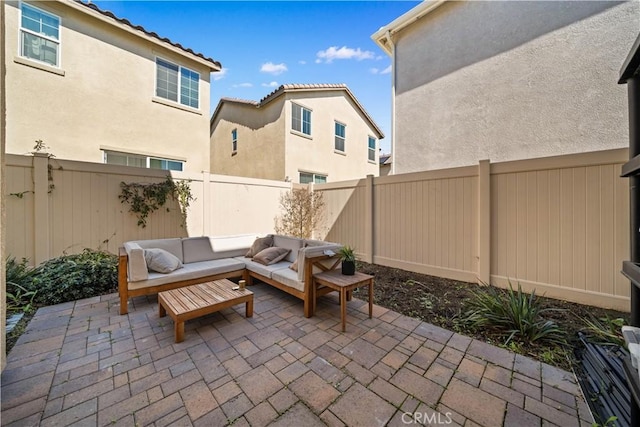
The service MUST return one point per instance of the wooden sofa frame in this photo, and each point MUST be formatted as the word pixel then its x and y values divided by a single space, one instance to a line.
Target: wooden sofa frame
pixel 306 296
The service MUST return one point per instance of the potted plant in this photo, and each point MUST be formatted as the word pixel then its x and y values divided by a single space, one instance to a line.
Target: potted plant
pixel 348 257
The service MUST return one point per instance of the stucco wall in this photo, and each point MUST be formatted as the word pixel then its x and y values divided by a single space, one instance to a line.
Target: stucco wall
pixel 511 80
pixel 104 99
pixel 316 154
pixel 260 151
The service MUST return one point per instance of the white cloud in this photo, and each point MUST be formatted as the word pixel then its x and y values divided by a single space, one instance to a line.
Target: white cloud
pixel 271 68
pixel 220 74
pixel 270 84
pixel 374 70
pixel 318 61
pixel 243 85
pixel 301 62
pixel 344 52
pixel 386 70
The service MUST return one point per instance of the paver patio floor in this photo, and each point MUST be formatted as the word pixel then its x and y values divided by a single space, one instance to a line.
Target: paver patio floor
pixel 81 363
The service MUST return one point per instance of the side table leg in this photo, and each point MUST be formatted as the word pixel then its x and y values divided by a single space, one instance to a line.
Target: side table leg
pixel 371 299
pixel 249 307
pixel 343 308
pixel 179 328
pixel 161 310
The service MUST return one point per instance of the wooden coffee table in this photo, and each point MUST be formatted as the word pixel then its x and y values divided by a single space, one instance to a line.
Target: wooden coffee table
pixel 334 279
pixel 199 300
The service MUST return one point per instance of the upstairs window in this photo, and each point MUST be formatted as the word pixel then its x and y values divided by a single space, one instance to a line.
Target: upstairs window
pixel 339 139
pixel 234 141
pixel 39 35
pixel 301 119
pixel 372 149
pixel 177 84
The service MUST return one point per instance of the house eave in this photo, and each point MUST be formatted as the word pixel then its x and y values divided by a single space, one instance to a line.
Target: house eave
pixel 381 37
pixel 211 65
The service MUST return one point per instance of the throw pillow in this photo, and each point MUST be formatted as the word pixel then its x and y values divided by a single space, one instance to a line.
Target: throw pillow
pixel 294 266
pixel 260 244
pixel 271 255
pixel 161 261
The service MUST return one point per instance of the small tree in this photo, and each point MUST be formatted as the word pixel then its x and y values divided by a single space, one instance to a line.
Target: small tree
pixel 302 213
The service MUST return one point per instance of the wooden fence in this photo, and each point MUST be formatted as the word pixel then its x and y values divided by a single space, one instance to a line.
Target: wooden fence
pixel 559 225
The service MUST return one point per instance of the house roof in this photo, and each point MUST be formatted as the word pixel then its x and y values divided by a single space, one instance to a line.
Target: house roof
pixel 320 87
pixel 383 35
pixel 631 66
pixel 106 16
pixel 385 159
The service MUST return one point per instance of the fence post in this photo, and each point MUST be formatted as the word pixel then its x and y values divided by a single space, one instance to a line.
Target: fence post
pixel 484 221
pixel 368 220
pixel 206 198
pixel 41 206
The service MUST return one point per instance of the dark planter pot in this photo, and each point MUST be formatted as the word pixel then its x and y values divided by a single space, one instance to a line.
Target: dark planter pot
pixel 348 268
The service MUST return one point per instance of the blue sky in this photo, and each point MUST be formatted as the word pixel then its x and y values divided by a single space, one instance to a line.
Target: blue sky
pixel 264 44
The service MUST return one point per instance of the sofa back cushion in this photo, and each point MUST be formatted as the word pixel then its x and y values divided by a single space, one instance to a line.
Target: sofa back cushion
pixel 292 243
pixel 232 246
pixel 197 249
pixel 173 246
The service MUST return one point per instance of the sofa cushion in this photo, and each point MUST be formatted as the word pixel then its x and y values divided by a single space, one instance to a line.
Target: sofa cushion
pixel 173 245
pixel 136 265
pixel 231 246
pixel 271 255
pixel 287 242
pixel 196 249
pixel 288 277
pixel 161 261
pixel 193 270
pixel 263 270
pixel 260 244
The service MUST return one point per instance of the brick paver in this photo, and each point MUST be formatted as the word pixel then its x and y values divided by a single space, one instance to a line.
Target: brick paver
pixel 81 363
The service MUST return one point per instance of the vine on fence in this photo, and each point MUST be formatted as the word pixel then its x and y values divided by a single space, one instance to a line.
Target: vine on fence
pixel 144 199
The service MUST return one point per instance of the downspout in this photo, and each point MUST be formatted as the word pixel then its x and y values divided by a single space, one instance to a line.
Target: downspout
pixel 392 49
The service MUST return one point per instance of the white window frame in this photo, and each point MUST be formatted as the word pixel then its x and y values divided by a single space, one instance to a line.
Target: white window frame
pixel 302 110
pixel 234 141
pixel 313 177
pixel 336 137
pixel 147 158
pixel 372 150
pixel 179 83
pixel 57 41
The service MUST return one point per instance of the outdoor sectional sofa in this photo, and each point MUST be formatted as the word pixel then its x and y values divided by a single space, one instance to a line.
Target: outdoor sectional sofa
pixel 214 258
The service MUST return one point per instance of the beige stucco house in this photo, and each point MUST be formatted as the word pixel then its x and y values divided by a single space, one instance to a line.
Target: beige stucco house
pixel 506 80
pixel 302 133
pixel 94 87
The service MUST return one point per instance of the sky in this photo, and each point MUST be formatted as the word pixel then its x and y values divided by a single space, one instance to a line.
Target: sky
pixel 264 44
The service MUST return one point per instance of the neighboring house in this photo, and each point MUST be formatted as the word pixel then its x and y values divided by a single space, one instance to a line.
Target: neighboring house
pixel 302 133
pixel 385 164
pixel 96 88
pixel 507 80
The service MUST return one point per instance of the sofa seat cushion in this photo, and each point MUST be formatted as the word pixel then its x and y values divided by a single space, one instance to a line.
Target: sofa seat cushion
pixel 190 271
pixel 261 269
pixel 288 277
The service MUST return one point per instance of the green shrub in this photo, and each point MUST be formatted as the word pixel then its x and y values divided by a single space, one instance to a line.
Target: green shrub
pixel 517 315
pixel 20 292
pixel 73 277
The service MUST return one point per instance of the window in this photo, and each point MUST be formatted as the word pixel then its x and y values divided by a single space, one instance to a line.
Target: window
pixel 306 178
pixel 301 119
pixel 372 149
pixel 141 161
pixel 39 35
pixel 167 83
pixel 234 140
pixel 339 141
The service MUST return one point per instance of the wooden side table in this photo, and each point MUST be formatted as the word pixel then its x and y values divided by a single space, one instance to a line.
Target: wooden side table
pixel 334 279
